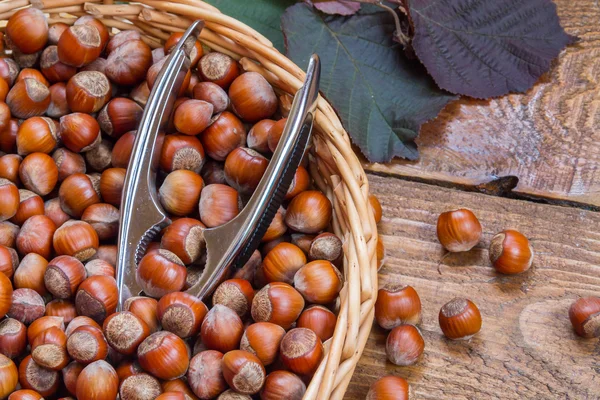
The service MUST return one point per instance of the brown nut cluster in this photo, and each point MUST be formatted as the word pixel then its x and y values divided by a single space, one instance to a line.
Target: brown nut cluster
pixel 68 129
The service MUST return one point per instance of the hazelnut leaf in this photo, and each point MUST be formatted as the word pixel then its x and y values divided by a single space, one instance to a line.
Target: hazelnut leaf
pixel 339 7
pixel 262 15
pixel 486 48
pixel 381 96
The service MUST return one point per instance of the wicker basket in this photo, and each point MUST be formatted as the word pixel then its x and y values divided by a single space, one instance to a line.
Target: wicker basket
pixel 334 166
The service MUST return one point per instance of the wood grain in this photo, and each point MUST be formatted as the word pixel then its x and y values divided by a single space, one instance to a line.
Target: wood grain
pixel 526 348
pixel 549 138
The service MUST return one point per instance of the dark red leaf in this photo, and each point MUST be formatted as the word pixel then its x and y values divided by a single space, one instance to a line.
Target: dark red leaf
pixel 486 48
pixel 340 7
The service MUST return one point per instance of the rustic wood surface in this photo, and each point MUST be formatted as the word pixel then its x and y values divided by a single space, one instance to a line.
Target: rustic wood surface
pixel 526 348
pixel 548 138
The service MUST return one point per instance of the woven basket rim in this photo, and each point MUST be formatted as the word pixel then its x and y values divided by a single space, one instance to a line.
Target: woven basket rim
pixel 334 166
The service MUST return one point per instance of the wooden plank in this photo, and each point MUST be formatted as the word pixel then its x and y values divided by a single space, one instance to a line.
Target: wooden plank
pixel 526 348
pixel 548 138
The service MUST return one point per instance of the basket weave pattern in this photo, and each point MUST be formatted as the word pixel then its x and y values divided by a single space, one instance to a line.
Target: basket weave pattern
pixel 334 167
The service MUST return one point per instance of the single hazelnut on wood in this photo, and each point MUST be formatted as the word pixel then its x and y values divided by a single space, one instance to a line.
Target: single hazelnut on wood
pixel 460 319
pixel 585 316
pixel 458 230
pixel 389 388
pixel 510 252
pixel 404 345
pixel 376 208
pixel 397 305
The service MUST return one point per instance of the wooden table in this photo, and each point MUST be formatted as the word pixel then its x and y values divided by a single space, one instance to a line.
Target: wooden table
pixel 529 162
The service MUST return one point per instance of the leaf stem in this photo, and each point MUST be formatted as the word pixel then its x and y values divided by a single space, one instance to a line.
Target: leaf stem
pixel 398 35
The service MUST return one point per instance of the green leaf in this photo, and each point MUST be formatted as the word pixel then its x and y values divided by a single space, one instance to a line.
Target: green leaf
pixel 262 15
pixel 382 97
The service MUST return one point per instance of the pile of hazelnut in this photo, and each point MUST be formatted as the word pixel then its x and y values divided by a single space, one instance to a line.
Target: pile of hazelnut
pixel 398 306
pixel 71 98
